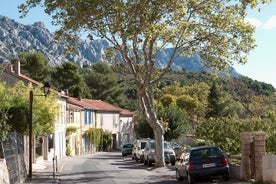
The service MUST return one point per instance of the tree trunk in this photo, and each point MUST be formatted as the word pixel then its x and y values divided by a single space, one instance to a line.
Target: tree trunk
pixel 159 145
pixel 146 106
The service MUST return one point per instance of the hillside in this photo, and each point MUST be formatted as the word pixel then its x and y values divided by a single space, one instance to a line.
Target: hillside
pixel 16 38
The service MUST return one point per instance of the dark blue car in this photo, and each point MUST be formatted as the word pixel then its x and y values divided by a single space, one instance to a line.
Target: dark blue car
pixel 203 162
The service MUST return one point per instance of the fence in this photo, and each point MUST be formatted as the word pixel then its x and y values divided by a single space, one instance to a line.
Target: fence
pixel 12 150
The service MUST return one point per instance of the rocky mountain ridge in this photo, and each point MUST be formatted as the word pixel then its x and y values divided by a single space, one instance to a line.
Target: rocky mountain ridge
pixel 16 38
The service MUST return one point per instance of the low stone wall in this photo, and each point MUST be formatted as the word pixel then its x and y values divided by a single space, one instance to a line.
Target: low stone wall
pixel 269 168
pixel 4 174
pixel 235 171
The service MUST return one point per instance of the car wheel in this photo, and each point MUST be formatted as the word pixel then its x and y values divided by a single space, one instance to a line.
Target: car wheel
pixel 173 163
pixel 145 162
pixel 225 177
pixel 141 159
pixel 178 177
pixel 149 162
pixel 190 179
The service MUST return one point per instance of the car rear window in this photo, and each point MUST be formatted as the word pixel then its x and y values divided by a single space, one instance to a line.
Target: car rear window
pixel 206 153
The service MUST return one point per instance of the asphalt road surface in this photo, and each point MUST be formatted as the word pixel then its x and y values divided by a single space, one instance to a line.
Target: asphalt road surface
pixel 112 168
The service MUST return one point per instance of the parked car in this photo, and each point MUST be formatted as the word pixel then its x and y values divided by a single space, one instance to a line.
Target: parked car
pixel 139 151
pixel 203 162
pixel 149 153
pixel 127 149
pixel 169 153
pixel 134 150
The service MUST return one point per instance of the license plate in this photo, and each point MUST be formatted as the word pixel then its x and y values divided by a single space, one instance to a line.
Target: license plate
pixel 208 165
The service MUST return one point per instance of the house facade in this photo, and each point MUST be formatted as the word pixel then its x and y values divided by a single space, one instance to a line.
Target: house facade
pixel 117 121
pixel 52 145
pixel 79 114
pixel 127 133
pixel 107 117
pixel 82 116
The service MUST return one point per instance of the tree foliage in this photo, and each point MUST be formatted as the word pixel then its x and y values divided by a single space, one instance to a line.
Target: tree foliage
pixel 225 131
pixel 173 119
pixel 4 106
pixel 216 30
pixel 220 103
pixel 176 120
pixel 104 84
pixel 67 77
pixel 35 65
pixel 192 99
pixel 99 138
pixel 70 130
pixel 142 128
pixel 4 127
pixel 14 110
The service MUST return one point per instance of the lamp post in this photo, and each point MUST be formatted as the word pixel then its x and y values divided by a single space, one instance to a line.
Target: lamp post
pixel 46 91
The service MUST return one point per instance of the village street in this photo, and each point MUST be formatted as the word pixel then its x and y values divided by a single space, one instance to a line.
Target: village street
pixel 112 168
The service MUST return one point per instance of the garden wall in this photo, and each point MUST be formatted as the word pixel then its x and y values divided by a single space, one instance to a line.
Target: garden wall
pixel 269 168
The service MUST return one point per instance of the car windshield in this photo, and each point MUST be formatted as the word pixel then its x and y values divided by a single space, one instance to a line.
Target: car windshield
pixel 152 145
pixel 205 153
pixel 167 145
pixel 143 144
pixel 127 146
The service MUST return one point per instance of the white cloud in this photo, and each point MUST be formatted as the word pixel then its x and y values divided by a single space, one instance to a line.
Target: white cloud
pixel 253 21
pixel 271 23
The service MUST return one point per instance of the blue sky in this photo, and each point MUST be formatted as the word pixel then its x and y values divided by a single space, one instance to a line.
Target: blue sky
pixel 261 63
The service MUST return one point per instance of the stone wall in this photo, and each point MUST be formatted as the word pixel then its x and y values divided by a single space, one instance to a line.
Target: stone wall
pixel 4 174
pixel 252 160
pixel 269 168
pixel 235 171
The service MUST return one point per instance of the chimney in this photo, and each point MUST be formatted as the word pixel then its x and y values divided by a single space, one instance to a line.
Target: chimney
pixel 17 66
pixel 79 98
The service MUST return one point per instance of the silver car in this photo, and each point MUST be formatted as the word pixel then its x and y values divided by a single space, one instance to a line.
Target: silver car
pixel 149 153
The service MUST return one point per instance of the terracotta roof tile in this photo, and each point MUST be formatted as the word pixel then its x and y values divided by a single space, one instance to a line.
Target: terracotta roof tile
pixel 101 105
pixel 81 103
pixel 27 80
pixel 125 112
pixel 104 106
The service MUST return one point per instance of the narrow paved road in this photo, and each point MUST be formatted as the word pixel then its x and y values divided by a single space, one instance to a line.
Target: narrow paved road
pixel 111 168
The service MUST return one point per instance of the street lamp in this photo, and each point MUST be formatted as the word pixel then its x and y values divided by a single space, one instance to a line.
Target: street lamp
pixel 46 91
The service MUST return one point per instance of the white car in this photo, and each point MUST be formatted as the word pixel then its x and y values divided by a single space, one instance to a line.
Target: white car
pixel 140 146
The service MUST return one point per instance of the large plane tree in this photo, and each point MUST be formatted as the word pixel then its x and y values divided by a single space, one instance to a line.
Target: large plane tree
pixel 138 29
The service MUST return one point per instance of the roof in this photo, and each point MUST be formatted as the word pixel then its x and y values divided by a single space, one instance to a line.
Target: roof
pixel 83 103
pixel 80 103
pixel 11 78
pixel 104 106
pixel 20 77
pixel 101 105
pixel 125 112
